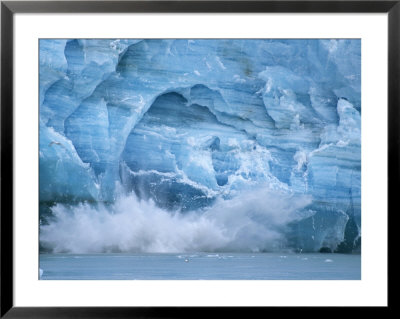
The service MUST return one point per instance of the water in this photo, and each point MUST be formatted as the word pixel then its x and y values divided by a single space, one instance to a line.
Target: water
pixel 200 266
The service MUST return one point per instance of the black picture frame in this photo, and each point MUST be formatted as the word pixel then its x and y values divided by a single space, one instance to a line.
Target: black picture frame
pixel 9 8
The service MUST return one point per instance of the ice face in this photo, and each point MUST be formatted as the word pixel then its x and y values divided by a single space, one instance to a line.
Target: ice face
pixel 63 174
pixel 188 123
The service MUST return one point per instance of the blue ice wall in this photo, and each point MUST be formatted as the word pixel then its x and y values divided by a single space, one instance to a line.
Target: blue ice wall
pixel 184 122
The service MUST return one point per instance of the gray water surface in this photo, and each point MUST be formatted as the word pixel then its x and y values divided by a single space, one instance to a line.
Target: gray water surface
pixel 206 266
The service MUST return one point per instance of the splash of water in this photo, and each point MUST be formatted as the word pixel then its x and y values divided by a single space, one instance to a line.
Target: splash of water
pixel 252 221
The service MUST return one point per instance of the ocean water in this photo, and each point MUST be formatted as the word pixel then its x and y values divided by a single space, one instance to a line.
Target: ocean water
pixel 200 266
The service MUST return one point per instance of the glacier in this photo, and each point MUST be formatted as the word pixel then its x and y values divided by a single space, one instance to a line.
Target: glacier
pixel 200 144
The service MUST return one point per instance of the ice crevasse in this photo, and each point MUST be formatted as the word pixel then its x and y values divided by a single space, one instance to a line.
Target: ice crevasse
pixel 188 126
